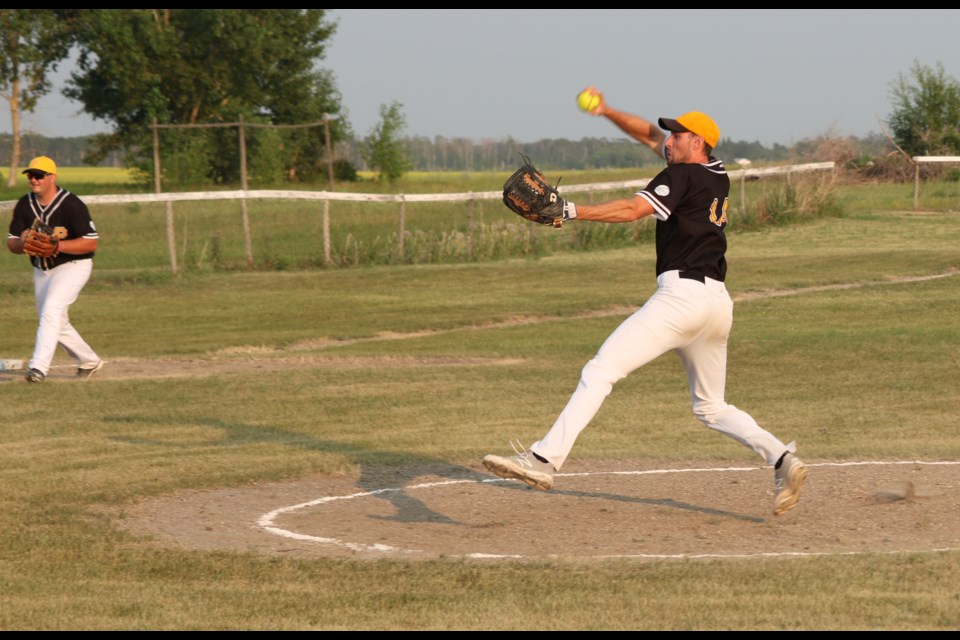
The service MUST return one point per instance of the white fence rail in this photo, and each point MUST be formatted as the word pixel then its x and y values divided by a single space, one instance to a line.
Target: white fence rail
pixel 918 160
pixel 328 196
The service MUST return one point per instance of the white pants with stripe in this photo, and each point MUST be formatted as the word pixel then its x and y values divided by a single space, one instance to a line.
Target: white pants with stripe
pixel 689 317
pixel 54 291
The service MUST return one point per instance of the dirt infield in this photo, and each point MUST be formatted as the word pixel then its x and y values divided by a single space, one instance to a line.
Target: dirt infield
pixel 630 510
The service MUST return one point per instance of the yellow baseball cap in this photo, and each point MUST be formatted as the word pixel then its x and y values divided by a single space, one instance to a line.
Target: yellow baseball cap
pixel 695 122
pixel 42 163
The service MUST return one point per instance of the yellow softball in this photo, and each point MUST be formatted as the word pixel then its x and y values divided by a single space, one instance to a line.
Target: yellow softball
pixel 588 100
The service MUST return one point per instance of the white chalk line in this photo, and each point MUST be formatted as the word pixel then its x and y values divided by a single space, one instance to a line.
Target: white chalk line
pixel 266 521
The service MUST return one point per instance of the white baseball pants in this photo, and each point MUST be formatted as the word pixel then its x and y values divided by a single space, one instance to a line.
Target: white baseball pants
pixel 54 291
pixel 690 317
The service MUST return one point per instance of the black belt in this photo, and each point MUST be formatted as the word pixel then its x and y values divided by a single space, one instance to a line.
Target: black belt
pixel 692 275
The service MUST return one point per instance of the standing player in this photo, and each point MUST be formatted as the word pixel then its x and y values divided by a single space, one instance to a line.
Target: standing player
pixel 690 313
pixel 57 281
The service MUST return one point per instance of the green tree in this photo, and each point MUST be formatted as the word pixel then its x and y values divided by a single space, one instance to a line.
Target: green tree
pixel 383 149
pixel 926 112
pixel 208 66
pixel 32 43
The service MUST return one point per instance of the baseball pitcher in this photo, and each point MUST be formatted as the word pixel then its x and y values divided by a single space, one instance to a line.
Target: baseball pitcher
pixel 691 312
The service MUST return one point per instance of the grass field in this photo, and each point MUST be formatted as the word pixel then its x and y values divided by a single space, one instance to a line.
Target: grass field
pixel 860 373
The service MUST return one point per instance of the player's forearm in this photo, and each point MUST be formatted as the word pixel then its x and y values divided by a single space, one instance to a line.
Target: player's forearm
pixel 636 127
pixel 78 245
pixel 619 210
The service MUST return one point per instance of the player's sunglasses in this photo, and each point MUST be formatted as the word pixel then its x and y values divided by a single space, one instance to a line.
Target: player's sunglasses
pixel 36 175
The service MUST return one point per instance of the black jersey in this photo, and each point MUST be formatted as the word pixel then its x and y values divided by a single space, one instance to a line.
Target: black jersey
pixel 690 204
pixel 66 214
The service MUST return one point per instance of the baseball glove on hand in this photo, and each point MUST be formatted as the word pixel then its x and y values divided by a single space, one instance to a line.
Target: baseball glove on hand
pixel 528 194
pixel 40 243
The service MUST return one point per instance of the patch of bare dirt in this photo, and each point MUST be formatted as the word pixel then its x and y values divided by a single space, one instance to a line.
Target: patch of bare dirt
pixel 638 509
pixel 214 365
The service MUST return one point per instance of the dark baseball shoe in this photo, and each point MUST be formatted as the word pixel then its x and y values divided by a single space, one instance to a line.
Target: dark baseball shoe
pixel 35 375
pixel 788 480
pixel 523 466
pixel 86 374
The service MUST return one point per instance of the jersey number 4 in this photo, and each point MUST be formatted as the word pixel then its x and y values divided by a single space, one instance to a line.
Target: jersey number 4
pixel 723 212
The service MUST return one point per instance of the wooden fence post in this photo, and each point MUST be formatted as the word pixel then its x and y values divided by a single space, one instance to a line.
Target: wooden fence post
pixel 326 232
pixel 171 242
pixel 470 224
pixel 247 241
pixel 916 186
pixel 400 227
pixel 743 193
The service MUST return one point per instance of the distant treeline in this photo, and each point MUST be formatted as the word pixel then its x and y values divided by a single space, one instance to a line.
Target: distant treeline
pixel 69 152
pixel 464 154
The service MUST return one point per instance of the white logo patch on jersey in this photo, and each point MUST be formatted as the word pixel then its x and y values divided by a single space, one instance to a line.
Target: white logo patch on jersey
pixel 662 190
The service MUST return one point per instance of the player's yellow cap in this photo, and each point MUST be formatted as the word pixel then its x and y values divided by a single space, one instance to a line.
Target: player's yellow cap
pixel 42 163
pixel 695 122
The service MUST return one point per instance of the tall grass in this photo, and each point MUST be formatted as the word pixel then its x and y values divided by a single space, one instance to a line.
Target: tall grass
pixel 288 235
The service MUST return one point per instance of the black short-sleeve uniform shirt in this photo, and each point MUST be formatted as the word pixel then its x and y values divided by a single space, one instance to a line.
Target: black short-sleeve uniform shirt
pixel 66 214
pixel 690 205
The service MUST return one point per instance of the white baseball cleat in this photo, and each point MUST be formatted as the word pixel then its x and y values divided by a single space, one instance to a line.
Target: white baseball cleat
pixel 523 466
pixel 788 480
pixel 86 374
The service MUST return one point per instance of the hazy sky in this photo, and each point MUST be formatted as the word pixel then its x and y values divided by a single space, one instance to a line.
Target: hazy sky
pixel 773 76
